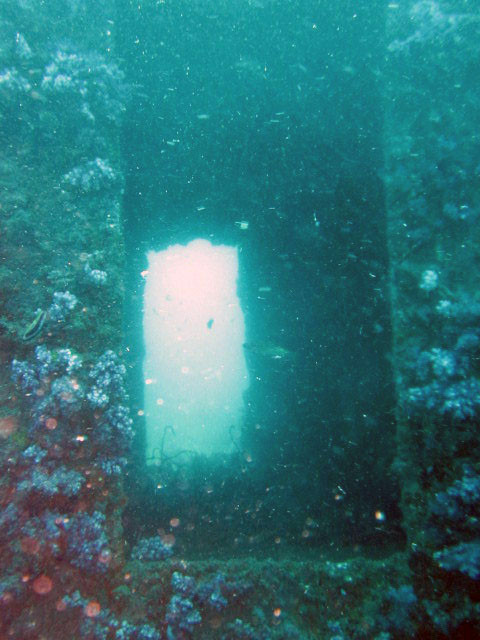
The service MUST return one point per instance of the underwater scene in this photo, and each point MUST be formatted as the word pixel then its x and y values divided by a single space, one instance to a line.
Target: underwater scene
pixel 239 319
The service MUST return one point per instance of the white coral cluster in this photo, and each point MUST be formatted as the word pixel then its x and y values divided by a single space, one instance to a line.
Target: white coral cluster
pixel 91 176
pixel 95 84
pixel 12 81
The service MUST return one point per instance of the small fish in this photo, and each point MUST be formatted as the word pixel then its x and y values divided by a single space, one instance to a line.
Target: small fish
pixel 35 326
pixel 269 350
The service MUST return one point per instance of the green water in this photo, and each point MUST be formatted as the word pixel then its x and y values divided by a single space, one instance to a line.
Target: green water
pixel 334 148
pixel 272 115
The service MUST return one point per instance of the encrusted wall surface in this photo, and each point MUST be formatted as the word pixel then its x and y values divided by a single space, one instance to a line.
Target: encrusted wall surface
pixel 64 418
pixel 62 98
pixel 432 172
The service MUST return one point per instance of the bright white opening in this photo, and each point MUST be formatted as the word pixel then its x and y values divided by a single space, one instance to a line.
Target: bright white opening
pixel 194 369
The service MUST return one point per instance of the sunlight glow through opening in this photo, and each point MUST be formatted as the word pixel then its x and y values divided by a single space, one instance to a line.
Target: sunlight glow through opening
pixel 194 368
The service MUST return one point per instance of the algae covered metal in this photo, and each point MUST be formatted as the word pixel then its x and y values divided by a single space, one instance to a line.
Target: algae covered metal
pixel 334 149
